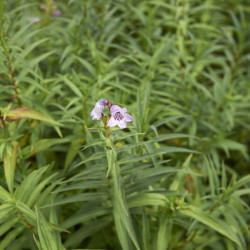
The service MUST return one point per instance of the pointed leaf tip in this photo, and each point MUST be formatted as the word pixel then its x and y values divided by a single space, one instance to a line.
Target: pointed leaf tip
pixel 19 113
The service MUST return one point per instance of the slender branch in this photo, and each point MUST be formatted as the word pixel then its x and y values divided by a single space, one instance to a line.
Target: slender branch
pixel 11 71
pixel 10 68
pixel 3 123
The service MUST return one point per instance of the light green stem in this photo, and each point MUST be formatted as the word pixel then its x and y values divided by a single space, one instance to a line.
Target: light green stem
pixel 123 221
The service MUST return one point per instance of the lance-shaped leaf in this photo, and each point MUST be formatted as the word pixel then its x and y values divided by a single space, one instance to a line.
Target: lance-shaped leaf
pixel 46 236
pixel 210 221
pixel 19 113
pixel 10 158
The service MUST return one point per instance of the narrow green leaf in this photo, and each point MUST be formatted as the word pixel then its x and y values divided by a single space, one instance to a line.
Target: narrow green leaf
pixel 26 213
pixel 168 119
pixel 213 223
pixel 72 86
pixel 46 237
pixel 11 236
pixel 81 234
pixel 4 194
pixel 10 158
pixel 148 199
pixel 19 113
pixel 8 224
pixel 77 198
pixel 6 211
pixel 24 191
pixel 93 212
pixel 122 217
pixel 87 65
pixel 36 60
pixel 164 233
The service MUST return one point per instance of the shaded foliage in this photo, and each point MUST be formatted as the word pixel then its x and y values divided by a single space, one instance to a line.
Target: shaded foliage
pixel 177 176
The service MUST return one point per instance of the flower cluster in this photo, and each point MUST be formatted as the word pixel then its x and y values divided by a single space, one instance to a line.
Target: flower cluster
pixel 49 9
pixel 118 115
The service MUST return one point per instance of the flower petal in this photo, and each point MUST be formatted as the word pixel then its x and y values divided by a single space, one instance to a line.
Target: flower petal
pixel 97 111
pixel 35 20
pixel 122 124
pixel 119 117
pixel 114 109
pixel 128 118
pixel 95 115
pixel 57 13
pixel 124 110
pixel 112 122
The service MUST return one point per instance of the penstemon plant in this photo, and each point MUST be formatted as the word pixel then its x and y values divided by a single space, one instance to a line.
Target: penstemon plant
pixel 74 175
pixel 116 116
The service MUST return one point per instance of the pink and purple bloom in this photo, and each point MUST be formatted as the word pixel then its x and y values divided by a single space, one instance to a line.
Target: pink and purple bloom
pixel 97 111
pixel 57 13
pixel 119 117
pixel 49 10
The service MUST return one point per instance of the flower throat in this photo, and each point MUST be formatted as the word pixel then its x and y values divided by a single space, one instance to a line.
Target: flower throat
pixel 118 116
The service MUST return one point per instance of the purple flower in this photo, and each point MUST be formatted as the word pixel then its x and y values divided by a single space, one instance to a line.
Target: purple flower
pixel 57 13
pixel 35 20
pixel 97 111
pixel 119 117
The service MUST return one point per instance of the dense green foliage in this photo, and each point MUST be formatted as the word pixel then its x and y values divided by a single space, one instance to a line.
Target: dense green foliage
pixel 175 178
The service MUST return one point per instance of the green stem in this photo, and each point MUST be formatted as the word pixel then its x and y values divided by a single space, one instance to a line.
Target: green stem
pixel 122 217
pixel 10 68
